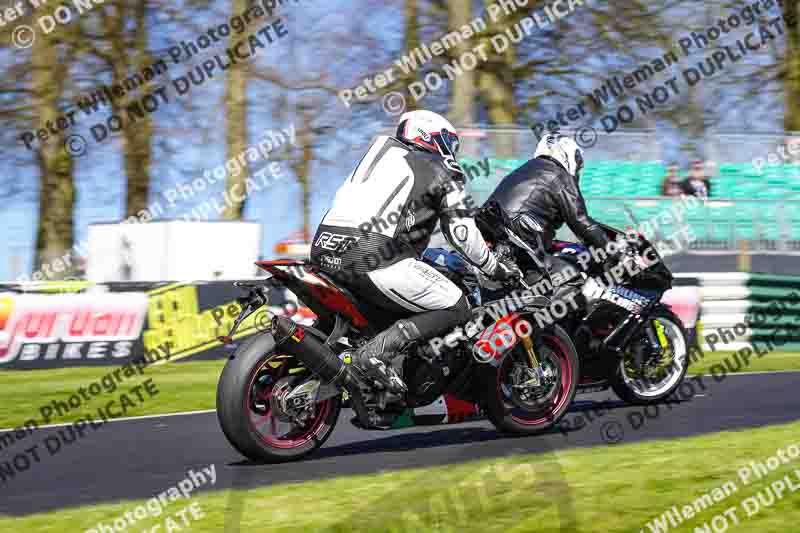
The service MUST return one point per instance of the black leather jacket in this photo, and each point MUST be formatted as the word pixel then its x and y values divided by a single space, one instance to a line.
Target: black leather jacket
pixel 542 188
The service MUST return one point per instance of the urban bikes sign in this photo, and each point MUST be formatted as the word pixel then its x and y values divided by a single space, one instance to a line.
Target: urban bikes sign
pixel 38 327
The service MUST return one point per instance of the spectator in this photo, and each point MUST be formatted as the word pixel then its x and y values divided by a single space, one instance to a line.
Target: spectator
pixel 671 186
pixel 697 184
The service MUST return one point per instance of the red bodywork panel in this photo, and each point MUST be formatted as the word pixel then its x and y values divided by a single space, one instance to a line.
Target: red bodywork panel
pixel 498 339
pixel 320 289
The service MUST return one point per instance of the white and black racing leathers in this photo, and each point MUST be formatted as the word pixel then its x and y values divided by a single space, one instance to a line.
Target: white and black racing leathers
pixel 381 221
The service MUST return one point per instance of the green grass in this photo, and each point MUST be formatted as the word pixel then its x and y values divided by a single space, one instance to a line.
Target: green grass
pixel 190 386
pixel 610 489
pixel 771 362
pixel 185 386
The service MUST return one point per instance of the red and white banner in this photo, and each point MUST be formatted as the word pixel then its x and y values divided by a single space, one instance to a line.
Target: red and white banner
pixel 70 326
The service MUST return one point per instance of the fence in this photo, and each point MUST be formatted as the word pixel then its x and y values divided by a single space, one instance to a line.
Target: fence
pixel 755 182
pixel 719 225
pixel 749 308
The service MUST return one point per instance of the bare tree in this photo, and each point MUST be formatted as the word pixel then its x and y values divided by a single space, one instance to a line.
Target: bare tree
pixel 791 68
pixel 54 236
pixel 236 124
pixel 462 92
pixel 129 55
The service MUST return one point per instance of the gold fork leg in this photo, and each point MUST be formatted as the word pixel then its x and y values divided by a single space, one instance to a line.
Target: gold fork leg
pixel 532 359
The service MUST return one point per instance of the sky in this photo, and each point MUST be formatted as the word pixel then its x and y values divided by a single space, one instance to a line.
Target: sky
pixel 186 149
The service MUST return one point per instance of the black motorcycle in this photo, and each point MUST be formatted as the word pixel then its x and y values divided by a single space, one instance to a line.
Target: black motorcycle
pixel 280 393
pixel 627 340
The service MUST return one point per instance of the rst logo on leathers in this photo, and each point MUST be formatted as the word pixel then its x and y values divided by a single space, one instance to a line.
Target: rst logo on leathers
pixel 335 242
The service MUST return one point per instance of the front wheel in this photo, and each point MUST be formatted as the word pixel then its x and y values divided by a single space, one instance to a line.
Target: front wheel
pixel 249 406
pixel 661 373
pixel 514 404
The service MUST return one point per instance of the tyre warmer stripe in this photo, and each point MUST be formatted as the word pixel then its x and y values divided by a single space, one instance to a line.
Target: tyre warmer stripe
pixel 446 409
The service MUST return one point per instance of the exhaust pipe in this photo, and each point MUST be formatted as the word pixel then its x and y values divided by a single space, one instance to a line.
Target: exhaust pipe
pixel 314 354
pixel 320 359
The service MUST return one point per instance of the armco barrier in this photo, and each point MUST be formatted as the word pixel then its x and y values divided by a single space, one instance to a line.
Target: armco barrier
pixel 57 325
pixel 731 299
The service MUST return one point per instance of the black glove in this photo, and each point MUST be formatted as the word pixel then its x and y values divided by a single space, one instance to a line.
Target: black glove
pixel 506 270
pixel 613 259
pixel 619 256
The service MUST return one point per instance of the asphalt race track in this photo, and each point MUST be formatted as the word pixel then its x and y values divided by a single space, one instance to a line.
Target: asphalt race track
pixel 136 459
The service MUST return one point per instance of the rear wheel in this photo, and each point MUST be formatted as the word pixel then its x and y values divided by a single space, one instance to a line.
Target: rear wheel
pixel 661 373
pixel 249 408
pixel 516 406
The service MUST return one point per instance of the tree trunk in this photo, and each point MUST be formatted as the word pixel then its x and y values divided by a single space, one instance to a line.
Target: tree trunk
pixel 411 41
pixel 138 152
pixel 54 236
pixel 302 167
pixel 791 80
pixel 136 149
pixel 497 91
pixel 496 79
pixel 305 195
pixel 462 96
pixel 236 127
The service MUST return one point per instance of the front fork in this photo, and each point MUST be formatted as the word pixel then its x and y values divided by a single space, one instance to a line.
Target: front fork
pixel 618 339
pixel 533 362
pixel 655 334
pixel 527 343
pixel 653 330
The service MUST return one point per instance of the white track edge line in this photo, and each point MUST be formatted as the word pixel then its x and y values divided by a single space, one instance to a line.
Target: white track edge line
pixel 753 373
pixel 206 411
pixel 120 419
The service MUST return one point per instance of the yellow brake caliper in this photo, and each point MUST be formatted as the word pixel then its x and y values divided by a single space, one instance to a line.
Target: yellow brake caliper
pixel 662 338
pixel 664 342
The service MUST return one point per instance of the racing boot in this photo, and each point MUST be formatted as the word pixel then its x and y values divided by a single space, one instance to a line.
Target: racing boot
pixel 375 357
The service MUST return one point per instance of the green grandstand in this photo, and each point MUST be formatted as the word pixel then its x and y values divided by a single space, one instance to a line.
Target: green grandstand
pixel 745 204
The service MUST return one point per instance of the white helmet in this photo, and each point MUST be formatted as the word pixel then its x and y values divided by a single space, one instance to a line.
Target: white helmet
pixel 563 150
pixel 429 131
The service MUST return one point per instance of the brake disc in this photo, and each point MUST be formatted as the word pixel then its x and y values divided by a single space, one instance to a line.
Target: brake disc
pixel 293 404
pixel 531 386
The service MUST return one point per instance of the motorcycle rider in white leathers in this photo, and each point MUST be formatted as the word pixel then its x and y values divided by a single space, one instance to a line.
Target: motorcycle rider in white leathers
pixel 380 223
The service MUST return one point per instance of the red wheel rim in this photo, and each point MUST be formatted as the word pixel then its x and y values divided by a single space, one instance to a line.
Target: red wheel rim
pixel 295 437
pixel 566 373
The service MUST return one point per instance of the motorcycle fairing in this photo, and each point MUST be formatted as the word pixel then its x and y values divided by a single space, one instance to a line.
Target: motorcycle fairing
pixel 496 341
pixel 319 293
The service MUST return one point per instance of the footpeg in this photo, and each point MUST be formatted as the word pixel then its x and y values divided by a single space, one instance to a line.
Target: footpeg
pixel 383 374
pixel 376 421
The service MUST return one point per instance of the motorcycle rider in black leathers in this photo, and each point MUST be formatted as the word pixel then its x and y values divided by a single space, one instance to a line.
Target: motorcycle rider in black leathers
pixel 544 193
pixel 381 221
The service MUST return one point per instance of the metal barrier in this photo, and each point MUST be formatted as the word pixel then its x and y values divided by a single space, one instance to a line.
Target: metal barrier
pixel 721 224
pixel 735 226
